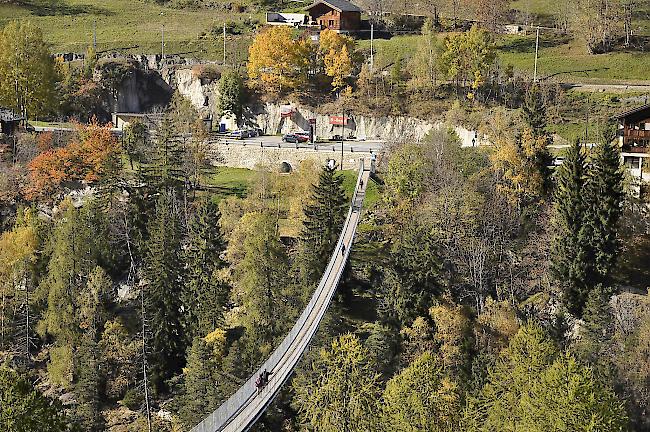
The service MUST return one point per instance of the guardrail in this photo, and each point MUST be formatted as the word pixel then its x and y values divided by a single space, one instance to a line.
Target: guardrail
pixel 290 351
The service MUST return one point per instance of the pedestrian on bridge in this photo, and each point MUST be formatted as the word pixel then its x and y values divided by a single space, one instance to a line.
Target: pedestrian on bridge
pixel 343 249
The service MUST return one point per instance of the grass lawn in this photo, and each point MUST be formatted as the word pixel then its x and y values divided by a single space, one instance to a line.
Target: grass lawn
pixel 562 57
pixel 225 181
pixel 372 192
pixel 127 25
pixel 568 60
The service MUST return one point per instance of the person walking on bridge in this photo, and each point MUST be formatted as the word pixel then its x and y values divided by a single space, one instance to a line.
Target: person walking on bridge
pixel 343 249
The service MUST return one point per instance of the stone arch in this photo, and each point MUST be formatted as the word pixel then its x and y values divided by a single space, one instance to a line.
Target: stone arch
pixel 286 167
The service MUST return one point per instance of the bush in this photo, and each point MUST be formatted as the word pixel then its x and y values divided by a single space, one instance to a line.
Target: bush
pixel 133 399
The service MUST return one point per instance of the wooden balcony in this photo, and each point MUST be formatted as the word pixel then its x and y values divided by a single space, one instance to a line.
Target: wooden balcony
pixel 636 134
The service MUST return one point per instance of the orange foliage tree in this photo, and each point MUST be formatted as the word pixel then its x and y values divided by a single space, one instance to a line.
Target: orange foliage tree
pixel 86 158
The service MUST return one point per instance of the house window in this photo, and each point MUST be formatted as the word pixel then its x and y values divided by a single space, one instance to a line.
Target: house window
pixel 331 23
pixel 632 162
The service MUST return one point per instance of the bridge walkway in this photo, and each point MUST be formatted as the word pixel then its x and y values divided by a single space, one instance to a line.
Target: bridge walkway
pixel 244 407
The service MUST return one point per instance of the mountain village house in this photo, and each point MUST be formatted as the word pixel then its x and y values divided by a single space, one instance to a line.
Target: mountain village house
pixel 338 15
pixel 634 140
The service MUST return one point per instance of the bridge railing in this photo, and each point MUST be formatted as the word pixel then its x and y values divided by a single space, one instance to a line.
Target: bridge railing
pixel 235 403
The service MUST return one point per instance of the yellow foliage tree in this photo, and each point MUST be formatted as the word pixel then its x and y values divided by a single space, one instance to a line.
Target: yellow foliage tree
pixel 338 56
pixel 518 163
pixel 27 72
pixel 338 66
pixel 277 60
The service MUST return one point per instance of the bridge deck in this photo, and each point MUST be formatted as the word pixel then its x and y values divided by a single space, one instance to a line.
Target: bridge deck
pixel 244 407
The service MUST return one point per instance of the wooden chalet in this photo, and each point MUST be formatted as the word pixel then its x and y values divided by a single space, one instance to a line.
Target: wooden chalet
pixel 634 140
pixel 339 15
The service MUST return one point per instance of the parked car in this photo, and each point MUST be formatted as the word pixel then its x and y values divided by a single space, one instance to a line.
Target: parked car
pixel 305 134
pixel 291 138
pixel 295 138
pixel 238 134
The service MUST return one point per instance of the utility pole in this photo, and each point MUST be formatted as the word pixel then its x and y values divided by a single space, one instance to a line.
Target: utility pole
pixel 536 54
pixel 372 43
pixel 162 41
pixel 224 44
pixel 342 136
pixel 95 35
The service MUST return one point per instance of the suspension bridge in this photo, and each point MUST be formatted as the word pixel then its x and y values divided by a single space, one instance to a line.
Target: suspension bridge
pixel 247 404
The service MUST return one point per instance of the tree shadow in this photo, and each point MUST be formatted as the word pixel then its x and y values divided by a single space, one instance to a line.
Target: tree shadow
pixel 61 8
pixel 527 44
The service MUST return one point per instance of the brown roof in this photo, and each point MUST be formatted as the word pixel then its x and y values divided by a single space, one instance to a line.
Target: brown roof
pixel 339 5
pixel 633 111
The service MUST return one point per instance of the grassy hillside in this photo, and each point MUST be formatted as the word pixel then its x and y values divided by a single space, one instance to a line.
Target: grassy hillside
pixel 129 25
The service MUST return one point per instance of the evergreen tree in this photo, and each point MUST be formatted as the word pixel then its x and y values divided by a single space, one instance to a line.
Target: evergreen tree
pixel 569 250
pixel 262 277
pixel 324 217
pixel 201 389
pixel 163 272
pixel 603 193
pixel 231 93
pixel 165 169
pixel 92 316
pixel 534 111
pixel 339 390
pixel 596 330
pixel 24 409
pixel 207 292
pixel 421 399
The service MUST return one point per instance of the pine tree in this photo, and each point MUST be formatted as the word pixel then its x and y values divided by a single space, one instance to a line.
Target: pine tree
pixel 23 408
pixel 596 330
pixel 534 111
pixel 165 169
pixel 324 218
pixel 201 389
pixel 262 277
pixel 421 398
pixel 207 292
pixel 569 250
pixel 163 272
pixel 339 390
pixel 603 192
pixel 92 316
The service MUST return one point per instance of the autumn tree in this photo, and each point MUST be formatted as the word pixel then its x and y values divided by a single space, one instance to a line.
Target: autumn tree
pixel 534 387
pixel 92 155
pixel 27 74
pixel 421 398
pixel 18 248
pixel 467 57
pixel 278 61
pixel 339 389
pixel 338 56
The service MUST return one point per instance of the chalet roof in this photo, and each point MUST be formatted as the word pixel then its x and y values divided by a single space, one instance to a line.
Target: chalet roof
pixel 7 115
pixel 634 111
pixel 339 5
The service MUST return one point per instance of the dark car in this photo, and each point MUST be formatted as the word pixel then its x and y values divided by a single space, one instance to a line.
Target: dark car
pixel 294 138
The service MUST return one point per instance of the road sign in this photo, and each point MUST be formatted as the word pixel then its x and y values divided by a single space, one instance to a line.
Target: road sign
pixel 339 120
pixel 312 121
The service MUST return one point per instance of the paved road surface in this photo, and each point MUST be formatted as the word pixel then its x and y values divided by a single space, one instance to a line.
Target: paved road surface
pixel 243 408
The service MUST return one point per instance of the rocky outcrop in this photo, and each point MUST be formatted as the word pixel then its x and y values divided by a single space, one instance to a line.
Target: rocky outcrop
pixel 268 117
pixel 202 93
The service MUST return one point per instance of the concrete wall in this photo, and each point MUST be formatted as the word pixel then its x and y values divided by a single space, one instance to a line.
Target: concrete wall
pixel 251 156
